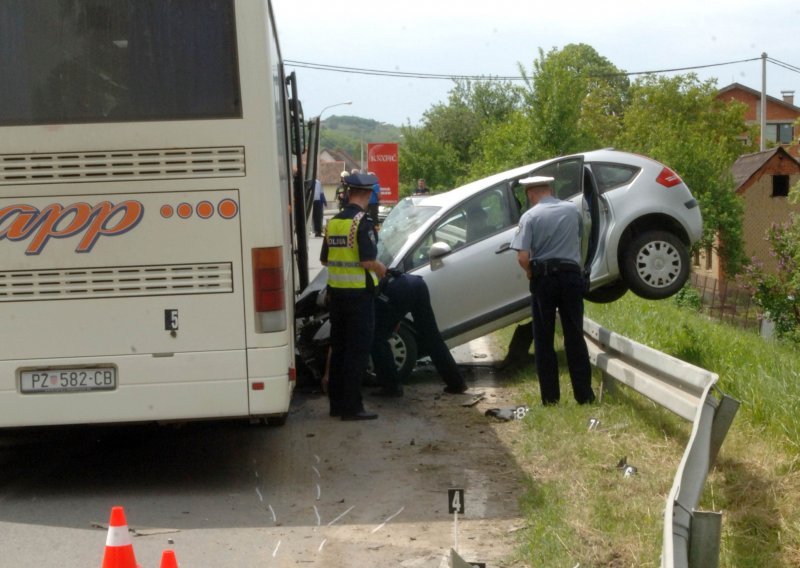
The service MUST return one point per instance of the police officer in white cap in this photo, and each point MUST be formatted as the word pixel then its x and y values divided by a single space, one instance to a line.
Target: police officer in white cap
pixel 548 245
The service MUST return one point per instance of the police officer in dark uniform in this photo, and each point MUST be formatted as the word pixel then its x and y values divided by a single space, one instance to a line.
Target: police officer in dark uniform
pixel 349 250
pixel 398 295
pixel 548 242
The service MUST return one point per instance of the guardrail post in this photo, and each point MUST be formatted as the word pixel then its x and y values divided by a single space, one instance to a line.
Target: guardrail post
pixel 704 539
pixel 728 406
pixel 607 386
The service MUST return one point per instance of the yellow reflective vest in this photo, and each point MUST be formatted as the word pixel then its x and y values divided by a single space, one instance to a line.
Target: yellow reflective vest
pixel 344 266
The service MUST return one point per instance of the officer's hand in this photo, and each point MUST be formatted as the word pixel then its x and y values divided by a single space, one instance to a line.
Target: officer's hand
pixel 375 266
pixel 381 269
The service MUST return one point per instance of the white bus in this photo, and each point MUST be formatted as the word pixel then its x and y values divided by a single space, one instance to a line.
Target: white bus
pixel 147 244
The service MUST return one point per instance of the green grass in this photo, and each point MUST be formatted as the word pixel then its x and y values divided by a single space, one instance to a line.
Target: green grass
pixel 763 375
pixel 581 509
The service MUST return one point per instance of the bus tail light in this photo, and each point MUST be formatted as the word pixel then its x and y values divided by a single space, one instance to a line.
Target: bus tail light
pixel 268 288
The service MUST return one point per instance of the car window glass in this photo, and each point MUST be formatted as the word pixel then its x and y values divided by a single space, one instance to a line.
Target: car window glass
pixel 452 231
pixel 488 213
pixel 482 215
pixel 609 176
pixel 567 175
pixel 405 218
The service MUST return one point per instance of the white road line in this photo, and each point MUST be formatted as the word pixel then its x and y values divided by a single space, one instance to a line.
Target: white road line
pixel 271 510
pixel 275 551
pixel 316 512
pixel 260 497
pixel 342 515
pixel 321 544
pixel 319 492
pixel 380 526
pixel 316 471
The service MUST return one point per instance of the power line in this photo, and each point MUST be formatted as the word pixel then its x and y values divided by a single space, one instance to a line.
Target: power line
pixel 384 73
pixel 443 76
pixel 788 66
pixel 689 68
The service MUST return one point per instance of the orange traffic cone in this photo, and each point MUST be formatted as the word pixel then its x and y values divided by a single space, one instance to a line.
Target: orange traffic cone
pixel 168 559
pixel 119 549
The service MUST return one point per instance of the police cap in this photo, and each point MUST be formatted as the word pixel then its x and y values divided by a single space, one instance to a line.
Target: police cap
pixel 360 181
pixel 537 181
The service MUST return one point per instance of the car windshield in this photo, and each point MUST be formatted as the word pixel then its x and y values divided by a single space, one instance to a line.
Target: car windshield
pixel 405 218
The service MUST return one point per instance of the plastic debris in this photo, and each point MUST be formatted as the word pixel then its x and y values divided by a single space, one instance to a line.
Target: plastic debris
pixel 508 413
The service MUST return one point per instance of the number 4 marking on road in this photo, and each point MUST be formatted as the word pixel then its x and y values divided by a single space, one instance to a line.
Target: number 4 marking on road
pixel 455 498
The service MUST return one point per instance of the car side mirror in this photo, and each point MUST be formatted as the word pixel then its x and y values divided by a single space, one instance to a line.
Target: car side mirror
pixel 439 250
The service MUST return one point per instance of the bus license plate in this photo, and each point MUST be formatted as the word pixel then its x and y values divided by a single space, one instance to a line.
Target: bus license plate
pixel 68 380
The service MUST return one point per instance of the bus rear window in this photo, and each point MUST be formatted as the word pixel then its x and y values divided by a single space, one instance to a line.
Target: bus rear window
pixel 74 61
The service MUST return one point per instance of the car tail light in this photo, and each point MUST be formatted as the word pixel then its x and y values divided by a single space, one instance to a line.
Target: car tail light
pixel 668 178
pixel 268 289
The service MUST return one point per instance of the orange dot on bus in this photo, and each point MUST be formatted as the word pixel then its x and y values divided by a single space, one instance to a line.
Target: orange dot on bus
pixel 205 209
pixel 184 210
pixel 227 208
pixel 166 211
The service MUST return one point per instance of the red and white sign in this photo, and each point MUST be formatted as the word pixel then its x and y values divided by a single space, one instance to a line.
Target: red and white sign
pixel 382 160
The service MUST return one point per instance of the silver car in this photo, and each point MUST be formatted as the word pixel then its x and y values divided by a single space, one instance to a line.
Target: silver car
pixel 640 222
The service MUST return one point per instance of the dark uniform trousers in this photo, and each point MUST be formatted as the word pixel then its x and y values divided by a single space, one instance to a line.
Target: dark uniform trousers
pixel 398 296
pixel 352 324
pixel 562 291
pixel 316 216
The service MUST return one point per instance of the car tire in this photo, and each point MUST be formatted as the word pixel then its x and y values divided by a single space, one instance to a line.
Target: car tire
pixel 404 349
pixel 405 352
pixel 655 265
pixel 608 293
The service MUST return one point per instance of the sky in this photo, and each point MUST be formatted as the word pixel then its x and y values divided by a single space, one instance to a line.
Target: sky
pixel 493 38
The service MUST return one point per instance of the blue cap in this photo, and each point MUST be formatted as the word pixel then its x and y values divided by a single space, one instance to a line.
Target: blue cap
pixel 360 181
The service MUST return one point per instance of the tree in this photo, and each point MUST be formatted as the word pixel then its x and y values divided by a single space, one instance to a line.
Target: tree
pixel 502 146
pixel 576 100
pixel 470 108
pixel 679 121
pixel 422 155
pixel 444 147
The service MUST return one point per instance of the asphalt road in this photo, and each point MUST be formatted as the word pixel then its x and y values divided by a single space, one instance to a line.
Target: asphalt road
pixel 230 494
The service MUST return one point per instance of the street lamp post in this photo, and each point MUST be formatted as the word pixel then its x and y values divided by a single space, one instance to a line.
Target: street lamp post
pixel 334 105
pixel 319 116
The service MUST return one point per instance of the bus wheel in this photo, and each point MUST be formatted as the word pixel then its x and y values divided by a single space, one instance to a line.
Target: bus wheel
pixel 278 420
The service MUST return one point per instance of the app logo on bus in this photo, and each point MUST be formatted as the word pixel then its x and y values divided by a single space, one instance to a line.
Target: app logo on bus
pixel 23 222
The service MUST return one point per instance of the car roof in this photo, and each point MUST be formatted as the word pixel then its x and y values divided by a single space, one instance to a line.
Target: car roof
pixel 458 194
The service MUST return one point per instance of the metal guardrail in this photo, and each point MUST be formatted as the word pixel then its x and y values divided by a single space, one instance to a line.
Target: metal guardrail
pixel 691 537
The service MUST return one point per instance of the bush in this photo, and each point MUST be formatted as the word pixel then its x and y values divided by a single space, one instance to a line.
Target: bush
pixel 689 297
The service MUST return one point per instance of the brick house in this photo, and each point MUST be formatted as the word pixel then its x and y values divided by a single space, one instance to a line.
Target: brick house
pixel 781 115
pixel 763 181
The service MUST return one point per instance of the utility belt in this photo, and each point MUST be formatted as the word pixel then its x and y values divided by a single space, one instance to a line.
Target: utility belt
pixel 553 266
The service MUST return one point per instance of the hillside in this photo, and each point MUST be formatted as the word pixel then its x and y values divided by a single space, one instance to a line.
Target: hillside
pixel 349 132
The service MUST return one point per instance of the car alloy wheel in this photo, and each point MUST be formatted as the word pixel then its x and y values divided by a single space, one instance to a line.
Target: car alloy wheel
pixel 655 265
pixel 404 350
